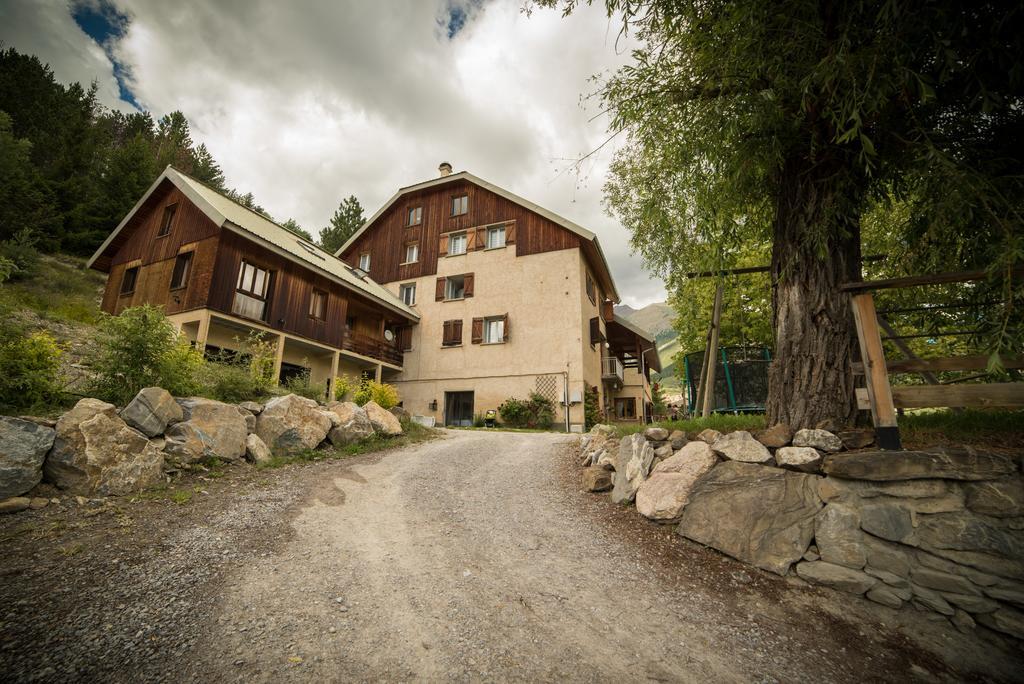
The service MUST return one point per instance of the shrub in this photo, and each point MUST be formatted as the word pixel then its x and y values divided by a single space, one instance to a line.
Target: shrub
pixel 21 251
pixel 30 373
pixel 229 382
pixel 261 352
pixel 478 420
pixel 591 408
pixel 385 395
pixel 535 412
pixel 344 386
pixel 302 385
pixel 141 348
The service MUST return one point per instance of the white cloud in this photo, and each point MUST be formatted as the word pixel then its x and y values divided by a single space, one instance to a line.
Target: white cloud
pixel 306 103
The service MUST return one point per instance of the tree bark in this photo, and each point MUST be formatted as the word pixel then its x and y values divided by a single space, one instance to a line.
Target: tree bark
pixel 816 248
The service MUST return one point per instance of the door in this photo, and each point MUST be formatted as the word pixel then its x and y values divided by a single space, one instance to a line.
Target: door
pixel 458 408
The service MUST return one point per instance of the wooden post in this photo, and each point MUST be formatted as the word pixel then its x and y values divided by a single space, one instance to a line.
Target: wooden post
pixel 883 411
pixel 378 372
pixel 335 357
pixel 203 332
pixel 278 359
pixel 712 354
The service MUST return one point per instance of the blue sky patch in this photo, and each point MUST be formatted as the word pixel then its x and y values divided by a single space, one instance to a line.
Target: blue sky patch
pixel 106 25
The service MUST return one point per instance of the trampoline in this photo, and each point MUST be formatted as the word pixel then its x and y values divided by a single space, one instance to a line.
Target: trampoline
pixel 741 379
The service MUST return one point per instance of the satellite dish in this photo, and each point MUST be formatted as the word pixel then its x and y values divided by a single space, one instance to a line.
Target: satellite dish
pixel 389 336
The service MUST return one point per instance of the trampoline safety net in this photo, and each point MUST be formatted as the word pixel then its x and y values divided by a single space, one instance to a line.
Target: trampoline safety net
pixel 741 379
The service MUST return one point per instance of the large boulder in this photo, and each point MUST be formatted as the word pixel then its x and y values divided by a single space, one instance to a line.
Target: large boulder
pixel 838 536
pixel 741 446
pixel 210 429
pixel 962 463
pixel 631 467
pixel 292 423
pixel 23 447
pixel 709 435
pixel 804 459
pixel 353 423
pixel 1000 499
pixel 656 434
pixel 383 420
pixel 677 439
pixel 778 435
pixel 65 464
pixel 253 407
pixel 256 451
pixel 664 494
pixel 151 411
pixel 596 479
pixel 822 440
pixel 761 515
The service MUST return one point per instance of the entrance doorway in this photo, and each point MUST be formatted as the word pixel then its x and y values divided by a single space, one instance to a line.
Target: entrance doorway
pixel 458 409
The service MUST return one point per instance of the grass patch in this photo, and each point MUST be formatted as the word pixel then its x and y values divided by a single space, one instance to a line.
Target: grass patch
pixel 724 422
pixel 181 496
pixel 498 428
pixel 413 433
pixel 71 549
pixel 63 289
pixel 993 428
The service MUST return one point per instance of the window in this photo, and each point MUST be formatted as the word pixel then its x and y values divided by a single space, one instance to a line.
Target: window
pixel 128 280
pixel 595 331
pixel 407 293
pixel 591 291
pixel 456 287
pixel 414 216
pixel 625 407
pixel 251 291
pixel 412 253
pixel 452 334
pixel 318 305
pixel 494 330
pixel 495 237
pixel 167 220
pixel 460 205
pixel 182 266
pixel 364 262
pixel 456 244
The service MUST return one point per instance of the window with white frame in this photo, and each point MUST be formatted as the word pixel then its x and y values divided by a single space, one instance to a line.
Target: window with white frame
pixel 456 287
pixel 494 330
pixel 407 293
pixel 412 253
pixel 495 237
pixel 364 262
pixel 456 243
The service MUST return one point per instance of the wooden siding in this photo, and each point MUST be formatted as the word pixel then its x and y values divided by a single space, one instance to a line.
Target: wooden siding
pixel 387 238
pixel 153 284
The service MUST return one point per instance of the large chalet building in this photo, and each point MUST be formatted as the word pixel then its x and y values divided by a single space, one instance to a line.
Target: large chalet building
pixel 457 291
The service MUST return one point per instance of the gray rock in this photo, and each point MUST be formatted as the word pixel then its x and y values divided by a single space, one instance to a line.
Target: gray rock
pixel 987 563
pixel 210 429
pixel 1000 498
pixel 65 463
pixel 964 463
pixel 963 622
pixel 252 407
pixel 838 536
pixel 775 437
pixel 757 514
pixel 967 532
pixel 250 422
pixel 932 600
pixel 835 576
pixel 151 411
pixel 1008 593
pixel 834 488
pixel 894 581
pixel 383 421
pixel 887 521
pixel 292 423
pixel 663 452
pixel 709 436
pixel 631 467
pixel 352 426
pixel 400 413
pixel 971 603
pixel 1005 620
pixel 15 504
pixel 885 596
pixel 596 479
pixel 822 440
pixel 741 446
pixel 888 557
pixel 607 459
pixel 23 448
pixel 656 434
pixel 803 459
pixel 256 451
pixel 856 439
pixel 665 493
pixel 942 581
pixel 677 439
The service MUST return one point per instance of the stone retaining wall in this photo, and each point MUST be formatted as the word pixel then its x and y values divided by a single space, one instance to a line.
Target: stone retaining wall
pixel 939 531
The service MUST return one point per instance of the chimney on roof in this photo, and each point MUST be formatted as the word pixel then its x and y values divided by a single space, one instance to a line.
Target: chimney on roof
pixel 445 168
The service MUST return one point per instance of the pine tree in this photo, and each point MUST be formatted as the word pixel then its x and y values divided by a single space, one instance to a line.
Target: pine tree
pixel 293 225
pixel 347 219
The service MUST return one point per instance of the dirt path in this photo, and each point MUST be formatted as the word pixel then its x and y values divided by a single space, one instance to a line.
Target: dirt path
pixel 473 557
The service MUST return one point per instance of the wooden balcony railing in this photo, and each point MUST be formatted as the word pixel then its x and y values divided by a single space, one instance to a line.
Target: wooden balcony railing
pixel 382 350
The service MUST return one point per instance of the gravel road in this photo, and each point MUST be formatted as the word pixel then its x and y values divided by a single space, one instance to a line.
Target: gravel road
pixel 471 557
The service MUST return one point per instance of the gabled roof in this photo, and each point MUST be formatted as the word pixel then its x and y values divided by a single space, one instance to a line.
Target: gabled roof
pixel 650 350
pixel 230 215
pixel 537 209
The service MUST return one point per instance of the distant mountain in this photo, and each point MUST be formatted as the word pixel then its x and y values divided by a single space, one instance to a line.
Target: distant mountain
pixel 654 318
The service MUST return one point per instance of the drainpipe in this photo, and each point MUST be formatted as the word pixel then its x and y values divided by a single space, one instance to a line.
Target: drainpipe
pixel 643 395
pixel 565 393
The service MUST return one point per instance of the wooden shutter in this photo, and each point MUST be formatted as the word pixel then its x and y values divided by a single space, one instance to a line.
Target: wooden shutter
pixel 405 338
pixel 595 331
pixel 439 290
pixel 467 287
pixel 446 335
pixel 510 233
pixel 478 331
pixel 609 311
pixel 442 247
pixel 457 332
pixel 481 238
pixel 504 326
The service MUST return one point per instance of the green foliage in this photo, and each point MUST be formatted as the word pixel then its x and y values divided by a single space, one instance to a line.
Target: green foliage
pixel 478 420
pixel 229 381
pixel 7 268
pixel 412 433
pixel 141 348
pixel 591 408
pixel 293 226
pixel 261 352
pixel 302 384
pixel 25 202
pixel 61 290
pixel 723 422
pixel 30 370
pixel 658 399
pixel 536 412
pixel 344 386
pixel 347 219
pixel 383 394
pixel 20 250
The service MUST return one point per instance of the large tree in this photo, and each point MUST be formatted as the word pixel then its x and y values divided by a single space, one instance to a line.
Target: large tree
pixel 347 219
pixel 744 121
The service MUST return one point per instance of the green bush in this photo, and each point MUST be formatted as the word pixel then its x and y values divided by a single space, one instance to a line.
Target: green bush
pixel 591 407
pixel 21 251
pixel 381 393
pixel 261 352
pixel 30 373
pixel 141 348
pixel 478 420
pixel 302 385
pixel 344 386
pixel 536 412
pixel 230 382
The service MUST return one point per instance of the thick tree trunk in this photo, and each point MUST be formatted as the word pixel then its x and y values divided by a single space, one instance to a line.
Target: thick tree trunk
pixel 810 379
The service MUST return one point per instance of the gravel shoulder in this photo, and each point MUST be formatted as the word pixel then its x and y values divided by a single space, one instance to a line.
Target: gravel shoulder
pixel 471 557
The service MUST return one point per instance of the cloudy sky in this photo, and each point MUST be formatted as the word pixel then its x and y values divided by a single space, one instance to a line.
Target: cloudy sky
pixel 305 103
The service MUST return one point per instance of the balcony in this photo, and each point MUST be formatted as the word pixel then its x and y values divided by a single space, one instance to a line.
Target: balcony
pixel 611 370
pixel 365 345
